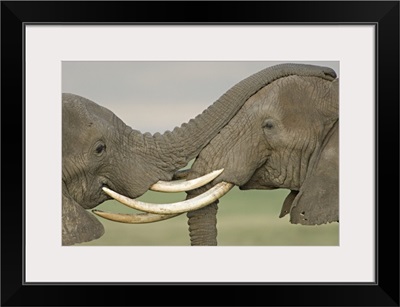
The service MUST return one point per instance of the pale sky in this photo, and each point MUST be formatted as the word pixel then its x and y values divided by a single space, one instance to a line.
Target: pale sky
pixel 157 96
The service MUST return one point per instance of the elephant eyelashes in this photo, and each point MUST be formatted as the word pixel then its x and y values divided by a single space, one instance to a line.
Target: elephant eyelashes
pixel 100 149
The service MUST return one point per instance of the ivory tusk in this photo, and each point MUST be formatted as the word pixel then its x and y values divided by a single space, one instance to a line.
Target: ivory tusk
pixel 140 218
pixel 173 186
pixel 195 203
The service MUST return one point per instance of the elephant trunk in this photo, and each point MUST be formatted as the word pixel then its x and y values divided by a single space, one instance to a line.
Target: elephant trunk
pixel 184 143
pixel 203 225
pixel 159 156
pixel 202 222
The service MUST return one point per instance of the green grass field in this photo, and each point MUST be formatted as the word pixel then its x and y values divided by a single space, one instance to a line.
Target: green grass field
pixel 245 218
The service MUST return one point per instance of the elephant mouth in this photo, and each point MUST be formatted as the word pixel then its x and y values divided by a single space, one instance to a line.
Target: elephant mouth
pixel 158 212
pixel 259 179
pixel 97 195
pixel 94 196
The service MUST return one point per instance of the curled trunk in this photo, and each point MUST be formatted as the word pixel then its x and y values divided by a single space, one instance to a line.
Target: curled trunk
pixel 157 157
pixel 184 143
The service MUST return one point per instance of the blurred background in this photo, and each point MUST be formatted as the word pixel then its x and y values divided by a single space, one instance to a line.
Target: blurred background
pixel 157 96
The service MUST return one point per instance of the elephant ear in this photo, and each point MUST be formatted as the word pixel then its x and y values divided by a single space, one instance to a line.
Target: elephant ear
pixel 317 202
pixel 78 225
pixel 287 204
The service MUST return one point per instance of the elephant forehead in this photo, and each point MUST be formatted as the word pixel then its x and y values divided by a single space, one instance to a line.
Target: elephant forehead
pixel 290 92
pixel 293 100
pixel 85 122
pixel 78 110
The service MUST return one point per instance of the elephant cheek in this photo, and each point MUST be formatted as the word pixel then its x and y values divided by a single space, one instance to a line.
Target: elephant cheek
pixel 254 184
pixel 258 181
pixel 238 173
pixel 236 157
pixel 92 194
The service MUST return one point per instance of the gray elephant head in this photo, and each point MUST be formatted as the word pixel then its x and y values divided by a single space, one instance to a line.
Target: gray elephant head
pixel 99 151
pixel 283 136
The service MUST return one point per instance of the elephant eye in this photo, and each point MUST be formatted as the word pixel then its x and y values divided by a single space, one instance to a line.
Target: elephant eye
pixel 100 148
pixel 268 124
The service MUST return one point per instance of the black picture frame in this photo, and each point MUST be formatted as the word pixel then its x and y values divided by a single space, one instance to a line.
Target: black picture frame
pixel 384 15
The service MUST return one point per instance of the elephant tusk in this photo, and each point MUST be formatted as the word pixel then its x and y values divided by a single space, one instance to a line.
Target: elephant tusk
pixel 140 218
pixel 195 203
pixel 173 186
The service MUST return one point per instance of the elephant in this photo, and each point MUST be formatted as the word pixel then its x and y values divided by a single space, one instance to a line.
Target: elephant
pixel 101 153
pixel 285 135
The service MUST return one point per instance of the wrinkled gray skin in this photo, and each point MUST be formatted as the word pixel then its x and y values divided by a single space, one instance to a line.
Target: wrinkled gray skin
pixel 284 136
pixel 100 150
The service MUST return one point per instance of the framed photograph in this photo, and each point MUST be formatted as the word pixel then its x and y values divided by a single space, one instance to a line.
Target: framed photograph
pixel 144 73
